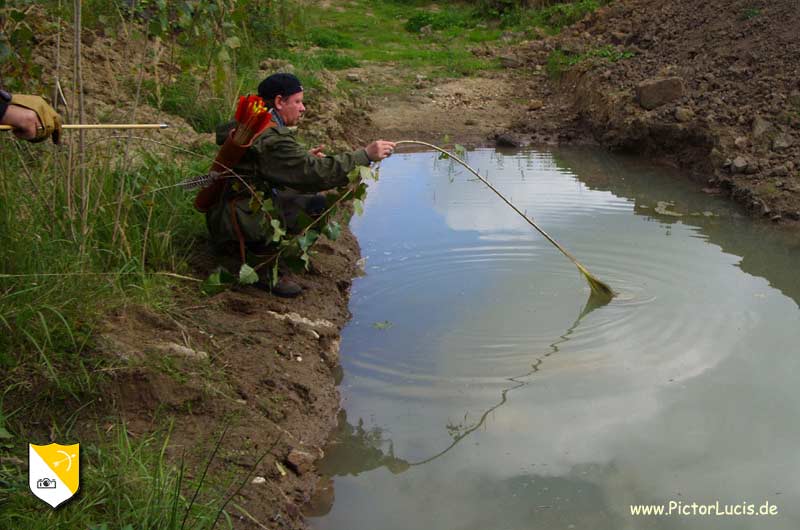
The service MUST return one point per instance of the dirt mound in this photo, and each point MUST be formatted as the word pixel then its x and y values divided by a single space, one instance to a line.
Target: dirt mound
pixel 262 366
pixel 732 114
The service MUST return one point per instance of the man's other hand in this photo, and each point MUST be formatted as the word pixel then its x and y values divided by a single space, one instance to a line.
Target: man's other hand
pixel 379 149
pixel 317 151
pixel 32 118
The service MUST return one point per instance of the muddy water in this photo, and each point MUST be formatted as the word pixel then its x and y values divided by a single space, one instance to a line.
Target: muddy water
pixel 480 392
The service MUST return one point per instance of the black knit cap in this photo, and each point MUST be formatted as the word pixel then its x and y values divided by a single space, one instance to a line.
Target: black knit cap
pixel 281 84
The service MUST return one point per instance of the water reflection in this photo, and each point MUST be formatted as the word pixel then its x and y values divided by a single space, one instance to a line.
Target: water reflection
pixel 766 250
pixel 681 388
pixel 354 449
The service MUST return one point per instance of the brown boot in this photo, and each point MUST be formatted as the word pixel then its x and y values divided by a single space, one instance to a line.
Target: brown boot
pixel 286 288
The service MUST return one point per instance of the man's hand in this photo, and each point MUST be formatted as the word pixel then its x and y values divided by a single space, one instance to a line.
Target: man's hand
pixel 379 149
pixel 317 151
pixel 32 118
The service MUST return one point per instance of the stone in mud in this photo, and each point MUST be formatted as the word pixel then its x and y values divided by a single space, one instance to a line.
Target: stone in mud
pixel 658 91
pixel 739 165
pixel 300 461
pixel 535 104
pixel 354 78
pixel 506 140
pixel 683 114
pixel 509 61
pixel 781 143
pixel 760 127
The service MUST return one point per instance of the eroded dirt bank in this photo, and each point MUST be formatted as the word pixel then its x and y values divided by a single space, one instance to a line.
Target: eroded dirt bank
pixel 711 86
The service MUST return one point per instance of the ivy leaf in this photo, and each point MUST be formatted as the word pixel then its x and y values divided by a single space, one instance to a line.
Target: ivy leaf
pixel 360 192
pixel 247 275
pixel 306 260
pixel 332 230
pixel 277 231
pixel 460 150
pixel 355 174
pixel 233 42
pixel 365 173
pixel 256 202
pixel 358 206
pixel 306 240
pixel 294 263
pixel 217 282
pixel 443 156
pixel 302 221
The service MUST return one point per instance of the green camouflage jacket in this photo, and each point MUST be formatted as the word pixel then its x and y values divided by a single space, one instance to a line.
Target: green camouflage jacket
pixel 276 161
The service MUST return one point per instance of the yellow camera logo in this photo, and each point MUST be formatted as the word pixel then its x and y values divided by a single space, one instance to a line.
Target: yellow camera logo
pixel 54 472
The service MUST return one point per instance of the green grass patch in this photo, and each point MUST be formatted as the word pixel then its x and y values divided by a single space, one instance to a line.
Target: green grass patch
pixel 125 483
pixel 447 18
pixel 750 13
pixel 556 17
pixel 329 38
pixel 336 61
pixel 559 61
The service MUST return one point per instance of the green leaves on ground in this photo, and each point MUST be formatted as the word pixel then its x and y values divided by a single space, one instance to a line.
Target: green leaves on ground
pixel 247 275
pixel 217 281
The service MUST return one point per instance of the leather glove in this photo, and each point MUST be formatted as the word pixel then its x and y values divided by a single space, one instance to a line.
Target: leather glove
pixel 49 118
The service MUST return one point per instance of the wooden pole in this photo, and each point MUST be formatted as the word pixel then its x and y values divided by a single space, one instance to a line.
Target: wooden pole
pixel 104 126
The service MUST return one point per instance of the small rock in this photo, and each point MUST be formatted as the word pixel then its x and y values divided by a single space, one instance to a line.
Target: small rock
pixel 178 349
pixel 300 461
pixel 619 37
pixel 506 140
pixel 781 143
pixel 535 104
pixel 760 127
pixel 658 91
pixel 258 480
pixel 717 158
pixel 426 31
pixel 509 61
pixel 683 114
pixel 739 165
pixel 741 142
pixel 355 78
pixel 779 171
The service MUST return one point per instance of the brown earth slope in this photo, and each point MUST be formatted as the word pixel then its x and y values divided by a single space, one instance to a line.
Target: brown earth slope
pixel 712 86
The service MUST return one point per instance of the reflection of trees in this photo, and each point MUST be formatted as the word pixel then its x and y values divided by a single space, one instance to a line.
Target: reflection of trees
pixel 765 250
pixel 355 450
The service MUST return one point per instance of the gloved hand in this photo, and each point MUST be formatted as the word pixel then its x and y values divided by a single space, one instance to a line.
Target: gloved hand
pixel 48 118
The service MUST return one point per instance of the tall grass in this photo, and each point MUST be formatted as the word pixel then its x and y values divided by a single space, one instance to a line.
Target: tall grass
pixel 75 247
pixel 125 484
